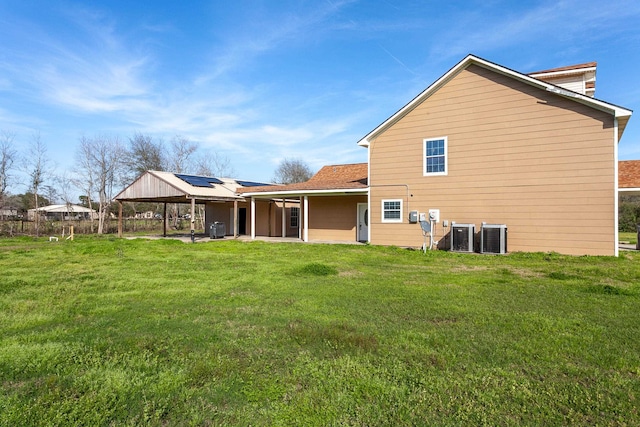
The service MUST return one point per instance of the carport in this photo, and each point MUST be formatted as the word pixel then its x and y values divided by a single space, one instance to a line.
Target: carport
pixel 167 187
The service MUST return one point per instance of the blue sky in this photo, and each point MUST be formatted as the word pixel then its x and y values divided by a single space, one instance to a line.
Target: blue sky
pixel 258 81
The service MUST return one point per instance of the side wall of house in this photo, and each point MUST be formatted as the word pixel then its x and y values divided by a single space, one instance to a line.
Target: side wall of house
pixel 334 217
pixel 539 163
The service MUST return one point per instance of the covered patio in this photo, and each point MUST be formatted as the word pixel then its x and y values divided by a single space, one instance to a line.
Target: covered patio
pixel 331 206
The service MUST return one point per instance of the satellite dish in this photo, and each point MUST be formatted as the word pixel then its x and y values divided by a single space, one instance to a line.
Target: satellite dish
pixel 426 226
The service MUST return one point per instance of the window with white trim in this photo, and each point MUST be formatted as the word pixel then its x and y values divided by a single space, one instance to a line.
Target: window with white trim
pixel 435 156
pixel 392 210
pixel 295 215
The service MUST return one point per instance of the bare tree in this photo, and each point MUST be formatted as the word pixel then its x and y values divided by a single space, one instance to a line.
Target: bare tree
pixel 65 184
pixel 100 161
pixel 181 153
pixel 7 158
pixel 85 179
pixel 291 171
pixel 213 164
pixel 144 154
pixel 36 166
pixel 180 156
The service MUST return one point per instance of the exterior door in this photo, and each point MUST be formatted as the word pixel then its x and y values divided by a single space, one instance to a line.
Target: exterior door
pixel 242 221
pixel 363 222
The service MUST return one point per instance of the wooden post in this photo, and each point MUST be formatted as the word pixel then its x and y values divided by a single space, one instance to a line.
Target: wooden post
pixel 164 220
pixel 284 217
pixel 193 219
pixel 119 220
pixel 71 232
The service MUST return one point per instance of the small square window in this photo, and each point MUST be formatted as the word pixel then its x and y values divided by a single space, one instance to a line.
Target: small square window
pixel 435 156
pixel 392 210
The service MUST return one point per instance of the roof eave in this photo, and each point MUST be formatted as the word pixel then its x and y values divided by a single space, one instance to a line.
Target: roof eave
pixel 267 194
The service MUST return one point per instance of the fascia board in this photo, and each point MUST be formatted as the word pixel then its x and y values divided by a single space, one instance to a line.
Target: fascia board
pixel 306 192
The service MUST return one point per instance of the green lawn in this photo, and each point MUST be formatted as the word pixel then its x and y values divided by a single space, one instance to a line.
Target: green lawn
pixel 139 332
pixel 631 237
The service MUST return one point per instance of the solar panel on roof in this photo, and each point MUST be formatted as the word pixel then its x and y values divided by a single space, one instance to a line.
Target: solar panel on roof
pixel 199 181
pixel 251 184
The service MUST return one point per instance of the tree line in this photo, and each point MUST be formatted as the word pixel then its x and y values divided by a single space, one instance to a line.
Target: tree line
pixel 104 164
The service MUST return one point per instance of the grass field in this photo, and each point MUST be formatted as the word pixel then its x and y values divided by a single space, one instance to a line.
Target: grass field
pixel 628 237
pixel 139 332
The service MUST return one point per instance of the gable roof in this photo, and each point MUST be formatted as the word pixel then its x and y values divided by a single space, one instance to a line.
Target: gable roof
pixel 623 114
pixel 329 179
pixel 157 186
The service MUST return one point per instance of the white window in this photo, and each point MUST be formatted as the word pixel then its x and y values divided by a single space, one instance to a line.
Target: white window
pixel 435 156
pixel 295 214
pixel 392 210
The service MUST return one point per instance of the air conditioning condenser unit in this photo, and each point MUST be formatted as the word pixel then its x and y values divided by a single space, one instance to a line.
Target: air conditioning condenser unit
pixel 493 238
pixel 462 236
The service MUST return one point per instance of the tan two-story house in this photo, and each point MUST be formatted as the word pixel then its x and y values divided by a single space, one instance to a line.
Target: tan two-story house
pixel 486 144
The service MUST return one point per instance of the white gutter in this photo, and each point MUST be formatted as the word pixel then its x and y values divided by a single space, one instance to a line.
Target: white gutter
pixel 306 192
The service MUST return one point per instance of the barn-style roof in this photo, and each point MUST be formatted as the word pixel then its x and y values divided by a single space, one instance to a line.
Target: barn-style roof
pixel 157 186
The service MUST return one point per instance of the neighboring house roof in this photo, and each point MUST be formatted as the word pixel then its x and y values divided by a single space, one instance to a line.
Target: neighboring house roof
pixel 629 175
pixel 157 186
pixel 569 68
pixel 347 178
pixel 63 209
pixel 621 113
pixel 580 78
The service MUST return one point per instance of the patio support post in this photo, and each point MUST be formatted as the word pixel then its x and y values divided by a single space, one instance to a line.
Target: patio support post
pixel 253 218
pixel 306 219
pixel 235 220
pixel 164 220
pixel 193 219
pixel 284 217
pixel 299 222
pixel 119 219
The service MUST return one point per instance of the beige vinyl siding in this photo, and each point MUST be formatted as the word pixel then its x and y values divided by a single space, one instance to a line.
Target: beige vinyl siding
pixel 275 219
pixel 517 155
pixel 334 217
